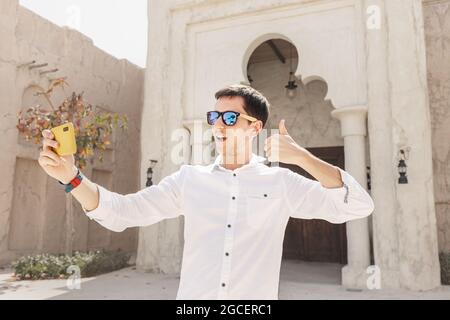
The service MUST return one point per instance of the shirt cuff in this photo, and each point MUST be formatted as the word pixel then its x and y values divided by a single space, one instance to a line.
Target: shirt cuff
pixel 103 209
pixel 342 192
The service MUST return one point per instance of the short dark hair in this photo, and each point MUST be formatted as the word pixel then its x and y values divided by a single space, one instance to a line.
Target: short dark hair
pixel 255 104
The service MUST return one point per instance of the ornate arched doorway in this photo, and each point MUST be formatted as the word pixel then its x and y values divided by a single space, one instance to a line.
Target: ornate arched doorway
pixel 270 69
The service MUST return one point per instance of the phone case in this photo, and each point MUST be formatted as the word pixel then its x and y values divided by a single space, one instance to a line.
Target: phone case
pixel 65 136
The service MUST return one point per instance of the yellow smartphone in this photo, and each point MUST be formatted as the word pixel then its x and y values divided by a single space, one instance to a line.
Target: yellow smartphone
pixel 65 136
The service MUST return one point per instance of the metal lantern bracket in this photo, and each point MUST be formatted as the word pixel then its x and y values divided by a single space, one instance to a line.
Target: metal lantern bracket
pixel 402 166
pixel 404 153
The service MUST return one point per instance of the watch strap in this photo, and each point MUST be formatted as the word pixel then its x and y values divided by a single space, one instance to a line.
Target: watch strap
pixel 75 182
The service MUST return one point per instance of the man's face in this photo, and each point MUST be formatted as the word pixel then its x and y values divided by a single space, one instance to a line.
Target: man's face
pixel 234 140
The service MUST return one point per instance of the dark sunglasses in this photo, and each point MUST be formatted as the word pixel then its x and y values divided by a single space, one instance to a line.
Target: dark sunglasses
pixel 229 118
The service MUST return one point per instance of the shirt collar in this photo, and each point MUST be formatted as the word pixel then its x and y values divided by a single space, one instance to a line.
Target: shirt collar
pixel 254 161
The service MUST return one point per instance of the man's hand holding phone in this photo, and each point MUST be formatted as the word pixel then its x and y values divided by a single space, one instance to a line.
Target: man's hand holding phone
pixel 58 167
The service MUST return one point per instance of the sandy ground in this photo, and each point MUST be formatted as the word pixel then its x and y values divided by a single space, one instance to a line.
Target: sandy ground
pixel 299 281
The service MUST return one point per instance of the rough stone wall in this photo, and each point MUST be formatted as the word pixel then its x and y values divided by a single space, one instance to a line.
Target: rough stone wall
pixel 437 35
pixel 32 205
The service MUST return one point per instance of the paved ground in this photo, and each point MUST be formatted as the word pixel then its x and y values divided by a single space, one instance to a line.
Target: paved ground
pixel 299 280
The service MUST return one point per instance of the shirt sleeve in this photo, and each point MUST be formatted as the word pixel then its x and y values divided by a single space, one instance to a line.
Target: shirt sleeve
pixel 308 199
pixel 117 212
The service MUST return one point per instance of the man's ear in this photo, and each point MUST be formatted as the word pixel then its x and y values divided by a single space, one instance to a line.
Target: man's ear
pixel 257 127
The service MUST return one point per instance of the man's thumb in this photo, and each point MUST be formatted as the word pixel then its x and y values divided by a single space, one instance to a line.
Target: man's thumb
pixel 282 128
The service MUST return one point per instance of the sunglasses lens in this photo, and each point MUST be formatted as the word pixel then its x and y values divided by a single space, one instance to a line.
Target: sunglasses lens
pixel 212 117
pixel 229 118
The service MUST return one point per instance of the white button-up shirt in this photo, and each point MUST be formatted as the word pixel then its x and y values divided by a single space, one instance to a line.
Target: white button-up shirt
pixel 234 221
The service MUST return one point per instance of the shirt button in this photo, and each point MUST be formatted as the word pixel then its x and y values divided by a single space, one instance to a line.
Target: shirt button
pixel 227 254
pixel 229 226
pixel 234 174
pixel 233 198
pixel 223 284
pixel 265 195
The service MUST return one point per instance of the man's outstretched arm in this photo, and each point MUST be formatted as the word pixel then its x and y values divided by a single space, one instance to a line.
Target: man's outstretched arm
pixel 148 206
pixel 336 197
pixel 87 194
pixel 112 210
pixel 62 168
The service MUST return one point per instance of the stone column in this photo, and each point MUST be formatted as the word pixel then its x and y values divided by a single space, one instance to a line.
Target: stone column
pixel 353 127
pixel 404 222
pixel 160 245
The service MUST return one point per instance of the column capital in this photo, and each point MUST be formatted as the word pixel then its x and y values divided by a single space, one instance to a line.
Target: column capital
pixel 353 120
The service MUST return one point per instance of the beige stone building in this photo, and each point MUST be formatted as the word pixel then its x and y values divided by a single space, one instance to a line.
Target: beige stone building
pixel 373 80
pixel 33 213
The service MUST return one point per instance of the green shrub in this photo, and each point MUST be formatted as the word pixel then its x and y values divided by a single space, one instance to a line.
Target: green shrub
pixel 48 266
pixel 106 262
pixel 444 258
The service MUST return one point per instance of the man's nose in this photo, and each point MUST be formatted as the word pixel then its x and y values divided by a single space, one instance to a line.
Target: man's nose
pixel 219 123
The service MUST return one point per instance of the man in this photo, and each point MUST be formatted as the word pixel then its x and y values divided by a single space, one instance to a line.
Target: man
pixel 236 209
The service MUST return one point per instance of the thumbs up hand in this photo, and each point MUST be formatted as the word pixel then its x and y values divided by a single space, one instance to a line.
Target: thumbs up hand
pixel 282 148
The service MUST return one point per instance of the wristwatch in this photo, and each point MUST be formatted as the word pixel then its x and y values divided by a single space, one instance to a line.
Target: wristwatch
pixel 75 182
